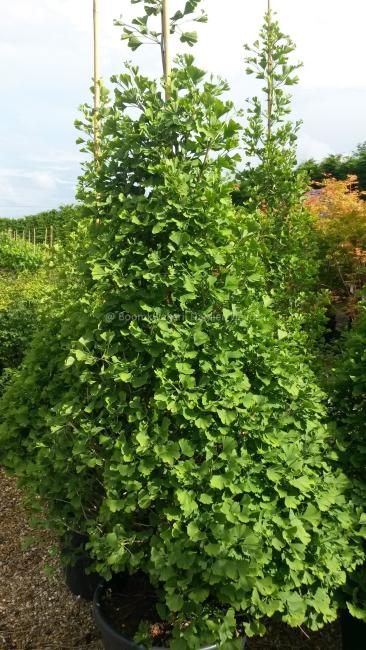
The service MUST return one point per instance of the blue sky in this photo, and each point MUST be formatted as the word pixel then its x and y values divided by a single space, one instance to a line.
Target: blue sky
pixel 46 70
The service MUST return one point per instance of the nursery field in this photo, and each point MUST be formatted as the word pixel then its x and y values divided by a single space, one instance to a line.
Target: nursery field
pixel 183 375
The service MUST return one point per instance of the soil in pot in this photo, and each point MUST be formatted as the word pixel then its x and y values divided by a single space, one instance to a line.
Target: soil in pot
pixel 128 601
pixel 122 605
pixel 353 632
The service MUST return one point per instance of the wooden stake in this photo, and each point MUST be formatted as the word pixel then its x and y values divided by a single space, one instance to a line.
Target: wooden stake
pixel 96 79
pixel 165 47
pixel 270 80
pixel 51 236
pixel 45 237
pixel 34 237
pixel 29 236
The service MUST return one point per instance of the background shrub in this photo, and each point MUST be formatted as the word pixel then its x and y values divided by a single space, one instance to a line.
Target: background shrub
pixel 33 227
pixel 348 390
pixel 340 213
pixel 25 284
pixel 19 255
pixel 338 167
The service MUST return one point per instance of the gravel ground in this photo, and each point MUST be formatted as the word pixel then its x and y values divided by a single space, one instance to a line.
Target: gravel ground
pixel 37 611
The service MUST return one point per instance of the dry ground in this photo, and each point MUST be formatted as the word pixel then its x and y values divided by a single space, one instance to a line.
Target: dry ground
pixel 37 611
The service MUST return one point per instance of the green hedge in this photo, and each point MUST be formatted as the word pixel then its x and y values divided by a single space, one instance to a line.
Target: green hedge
pixel 24 287
pixel 61 219
pixel 19 255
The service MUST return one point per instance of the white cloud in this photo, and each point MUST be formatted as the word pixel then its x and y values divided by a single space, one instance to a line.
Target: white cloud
pixel 43 180
pixel 24 192
pixel 7 192
pixel 310 147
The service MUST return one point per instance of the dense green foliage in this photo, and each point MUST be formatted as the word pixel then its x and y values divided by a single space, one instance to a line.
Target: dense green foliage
pixel 167 407
pixel 63 220
pixel 339 166
pixel 350 404
pixel 348 389
pixel 18 255
pixel 24 287
pixel 274 189
pixel 20 304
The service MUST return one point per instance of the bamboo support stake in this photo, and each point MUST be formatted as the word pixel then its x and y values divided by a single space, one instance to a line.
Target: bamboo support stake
pixel 29 236
pixel 96 79
pixel 165 47
pixel 51 236
pixel 270 80
pixel 34 237
pixel 96 124
pixel 45 237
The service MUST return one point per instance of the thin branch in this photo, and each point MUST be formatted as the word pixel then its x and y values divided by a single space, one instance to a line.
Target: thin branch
pixel 147 35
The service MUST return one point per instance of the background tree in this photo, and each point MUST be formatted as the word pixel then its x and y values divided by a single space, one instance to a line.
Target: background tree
pixel 272 185
pixel 339 167
pixel 341 223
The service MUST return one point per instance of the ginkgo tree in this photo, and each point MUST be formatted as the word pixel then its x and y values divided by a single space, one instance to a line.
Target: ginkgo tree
pixel 166 410
pixel 271 185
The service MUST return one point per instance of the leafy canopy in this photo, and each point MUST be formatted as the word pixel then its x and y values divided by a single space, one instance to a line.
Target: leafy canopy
pixel 348 390
pixel 340 213
pixel 272 186
pixel 140 33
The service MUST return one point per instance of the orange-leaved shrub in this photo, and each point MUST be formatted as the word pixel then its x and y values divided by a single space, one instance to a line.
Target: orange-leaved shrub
pixel 340 212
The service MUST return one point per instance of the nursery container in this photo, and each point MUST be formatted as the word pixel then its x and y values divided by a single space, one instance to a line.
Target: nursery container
pixel 113 640
pixel 353 632
pixel 77 579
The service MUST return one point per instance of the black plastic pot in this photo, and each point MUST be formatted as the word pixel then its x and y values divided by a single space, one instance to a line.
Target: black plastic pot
pixel 113 640
pixel 353 632
pixel 80 582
